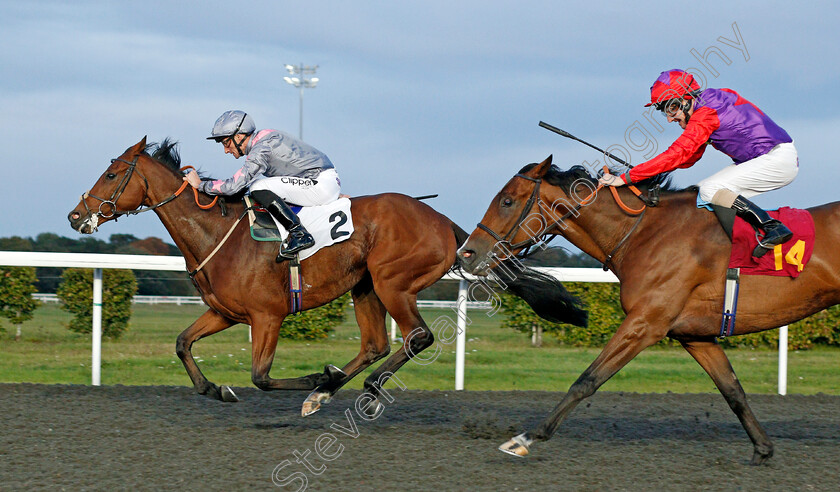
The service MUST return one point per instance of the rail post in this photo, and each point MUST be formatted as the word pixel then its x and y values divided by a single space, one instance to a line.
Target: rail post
pixel 96 350
pixel 783 356
pixel 461 344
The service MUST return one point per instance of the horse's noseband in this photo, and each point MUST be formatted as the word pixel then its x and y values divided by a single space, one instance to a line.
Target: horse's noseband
pixel 115 196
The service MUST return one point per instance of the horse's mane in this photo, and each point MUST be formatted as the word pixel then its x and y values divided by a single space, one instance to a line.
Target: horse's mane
pixel 166 153
pixel 564 179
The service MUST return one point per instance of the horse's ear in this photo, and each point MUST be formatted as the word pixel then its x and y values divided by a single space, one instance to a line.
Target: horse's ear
pixel 138 147
pixel 542 168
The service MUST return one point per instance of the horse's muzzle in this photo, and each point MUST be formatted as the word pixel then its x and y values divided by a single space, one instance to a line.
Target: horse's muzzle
pixel 84 224
pixel 472 262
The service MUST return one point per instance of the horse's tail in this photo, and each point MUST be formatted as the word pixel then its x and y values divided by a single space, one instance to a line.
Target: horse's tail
pixel 461 235
pixel 546 295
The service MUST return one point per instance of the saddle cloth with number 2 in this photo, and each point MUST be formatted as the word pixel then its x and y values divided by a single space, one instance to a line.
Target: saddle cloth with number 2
pixel 329 224
pixel 785 260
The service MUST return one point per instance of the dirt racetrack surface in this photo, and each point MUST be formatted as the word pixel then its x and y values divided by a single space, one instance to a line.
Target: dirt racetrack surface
pixel 154 437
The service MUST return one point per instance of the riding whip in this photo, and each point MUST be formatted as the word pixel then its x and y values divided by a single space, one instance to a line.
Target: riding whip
pixel 569 135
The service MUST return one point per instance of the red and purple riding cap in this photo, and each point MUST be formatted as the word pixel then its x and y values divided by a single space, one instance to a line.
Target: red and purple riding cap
pixel 672 84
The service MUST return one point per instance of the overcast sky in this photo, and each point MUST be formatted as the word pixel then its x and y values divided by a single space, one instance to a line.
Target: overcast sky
pixel 414 97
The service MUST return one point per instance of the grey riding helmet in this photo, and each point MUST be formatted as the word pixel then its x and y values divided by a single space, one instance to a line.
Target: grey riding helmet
pixel 230 123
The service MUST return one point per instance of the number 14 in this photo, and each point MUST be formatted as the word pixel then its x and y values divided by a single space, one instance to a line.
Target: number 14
pixel 794 256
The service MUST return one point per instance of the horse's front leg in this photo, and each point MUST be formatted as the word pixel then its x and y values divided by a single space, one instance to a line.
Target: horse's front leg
pixel 709 354
pixel 633 336
pixel 207 324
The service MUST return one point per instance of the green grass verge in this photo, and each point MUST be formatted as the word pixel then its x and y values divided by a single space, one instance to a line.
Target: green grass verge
pixel 497 359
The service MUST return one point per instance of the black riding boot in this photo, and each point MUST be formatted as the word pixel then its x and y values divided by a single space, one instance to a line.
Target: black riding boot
pixel 298 238
pixel 774 231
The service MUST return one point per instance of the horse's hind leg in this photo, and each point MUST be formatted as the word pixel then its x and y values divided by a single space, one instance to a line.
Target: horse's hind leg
pixel 265 330
pixel 709 354
pixel 370 316
pixel 207 324
pixel 417 337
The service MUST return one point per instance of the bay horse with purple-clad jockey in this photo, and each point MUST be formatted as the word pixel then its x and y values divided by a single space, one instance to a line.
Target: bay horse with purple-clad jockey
pixel 671 261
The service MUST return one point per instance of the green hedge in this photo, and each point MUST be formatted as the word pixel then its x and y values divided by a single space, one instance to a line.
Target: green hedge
pixel 17 284
pixel 316 323
pixel 76 295
pixel 605 316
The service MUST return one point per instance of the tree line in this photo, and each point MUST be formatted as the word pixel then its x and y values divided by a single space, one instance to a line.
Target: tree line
pixel 161 283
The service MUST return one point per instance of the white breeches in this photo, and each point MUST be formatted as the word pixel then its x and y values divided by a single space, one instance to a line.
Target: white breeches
pixel 305 192
pixel 766 172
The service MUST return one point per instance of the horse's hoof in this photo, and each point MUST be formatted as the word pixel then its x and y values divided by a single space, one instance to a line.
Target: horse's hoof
pixel 760 457
pixel 334 373
pixel 518 446
pixel 228 395
pixel 313 402
pixel 373 408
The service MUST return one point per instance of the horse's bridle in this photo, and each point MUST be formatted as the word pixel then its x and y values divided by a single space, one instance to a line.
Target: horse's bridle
pixel 526 211
pixel 515 228
pixel 112 201
pixel 535 239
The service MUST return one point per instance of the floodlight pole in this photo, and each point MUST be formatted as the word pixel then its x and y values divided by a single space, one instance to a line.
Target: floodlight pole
pixel 300 115
pixel 298 79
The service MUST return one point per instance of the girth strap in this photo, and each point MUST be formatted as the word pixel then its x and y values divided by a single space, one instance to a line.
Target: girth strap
pixel 295 285
pixel 730 302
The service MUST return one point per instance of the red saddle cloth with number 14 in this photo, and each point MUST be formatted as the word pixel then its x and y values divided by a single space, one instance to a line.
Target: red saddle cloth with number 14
pixel 785 260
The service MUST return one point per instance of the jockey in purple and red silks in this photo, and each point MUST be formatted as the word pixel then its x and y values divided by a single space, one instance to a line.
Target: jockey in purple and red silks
pixel 278 168
pixel 763 153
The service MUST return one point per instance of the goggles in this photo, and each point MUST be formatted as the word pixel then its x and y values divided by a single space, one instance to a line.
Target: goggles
pixel 670 108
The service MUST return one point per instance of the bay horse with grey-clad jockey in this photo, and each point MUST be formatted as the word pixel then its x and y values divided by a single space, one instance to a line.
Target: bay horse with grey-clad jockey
pixel 671 261
pixel 400 246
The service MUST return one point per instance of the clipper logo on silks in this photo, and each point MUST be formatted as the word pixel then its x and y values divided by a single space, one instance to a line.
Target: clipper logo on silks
pixel 302 182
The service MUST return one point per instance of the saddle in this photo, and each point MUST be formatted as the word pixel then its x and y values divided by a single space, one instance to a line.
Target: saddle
pixel 785 260
pixel 329 224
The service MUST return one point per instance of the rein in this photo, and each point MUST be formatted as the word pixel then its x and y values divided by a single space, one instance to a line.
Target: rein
pixel 115 196
pixel 533 240
pixel 621 204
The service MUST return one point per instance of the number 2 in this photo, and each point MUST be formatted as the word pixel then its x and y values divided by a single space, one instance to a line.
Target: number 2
pixel 342 219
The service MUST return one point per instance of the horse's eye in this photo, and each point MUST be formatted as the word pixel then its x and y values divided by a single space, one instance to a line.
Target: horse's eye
pixel 507 202
pixel 110 175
